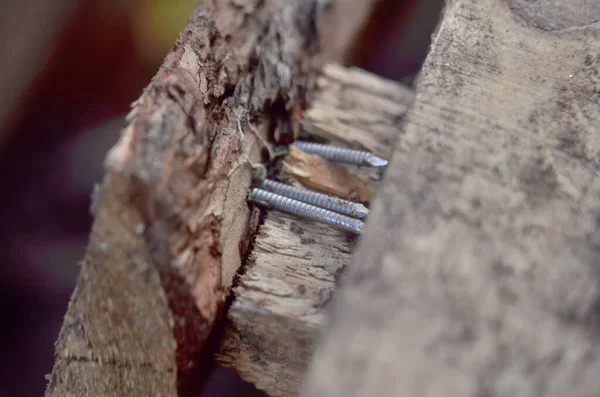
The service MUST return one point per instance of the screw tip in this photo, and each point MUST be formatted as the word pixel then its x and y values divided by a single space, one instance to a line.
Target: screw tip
pixel 359 228
pixel 360 211
pixel 376 161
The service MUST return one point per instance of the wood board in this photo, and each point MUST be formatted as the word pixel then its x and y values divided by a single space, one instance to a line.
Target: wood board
pixel 477 274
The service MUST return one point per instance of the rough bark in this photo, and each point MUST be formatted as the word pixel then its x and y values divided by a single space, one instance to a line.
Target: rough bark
pixel 171 219
pixel 280 301
pixel 478 272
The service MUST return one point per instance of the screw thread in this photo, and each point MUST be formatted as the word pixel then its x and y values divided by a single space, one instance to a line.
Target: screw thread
pixel 332 203
pixel 334 153
pixel 341 154
pixel 305 210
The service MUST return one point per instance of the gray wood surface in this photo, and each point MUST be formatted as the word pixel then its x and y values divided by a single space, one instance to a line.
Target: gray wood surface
pixel 478 273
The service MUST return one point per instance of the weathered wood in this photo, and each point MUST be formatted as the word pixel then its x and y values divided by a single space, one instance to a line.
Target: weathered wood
pixel 279 303
pixel 171 217
pixel 351 27
pixel 350 108
pixel 355 108
pixel 478 272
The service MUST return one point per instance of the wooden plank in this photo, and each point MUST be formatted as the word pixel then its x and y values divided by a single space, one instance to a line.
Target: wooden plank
pixel 280 301
pixel 171 219
pixel 478 271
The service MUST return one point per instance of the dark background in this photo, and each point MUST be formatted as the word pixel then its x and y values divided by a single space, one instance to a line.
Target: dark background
pixel 68 71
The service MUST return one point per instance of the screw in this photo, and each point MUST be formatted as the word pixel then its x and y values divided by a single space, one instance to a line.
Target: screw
pixel 341 154
pixel 332 203
pixel 299 208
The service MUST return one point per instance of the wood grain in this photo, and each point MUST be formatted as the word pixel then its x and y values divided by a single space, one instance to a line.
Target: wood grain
pixel 315 173
pixel 357 109
pixel 171 219
pixel 281 300
pixel 351 108
pixel 478 272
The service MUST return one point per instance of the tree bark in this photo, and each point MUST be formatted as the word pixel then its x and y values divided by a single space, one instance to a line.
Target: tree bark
pixel 478 272
pixel 171 219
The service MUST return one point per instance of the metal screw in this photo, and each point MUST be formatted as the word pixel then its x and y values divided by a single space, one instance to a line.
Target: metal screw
pixel 341 154
pixel 299 208
pixel 332 203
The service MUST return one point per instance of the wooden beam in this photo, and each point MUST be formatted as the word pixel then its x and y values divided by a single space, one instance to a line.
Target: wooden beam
pixel 280 301
pixel 478 272
pixel 171 219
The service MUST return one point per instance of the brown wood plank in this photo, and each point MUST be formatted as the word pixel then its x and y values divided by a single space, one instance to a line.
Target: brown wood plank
pixel 171 219
pixel 478 273
pixel 280 301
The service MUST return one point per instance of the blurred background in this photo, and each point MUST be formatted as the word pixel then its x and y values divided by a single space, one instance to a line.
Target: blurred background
pixel 68 71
